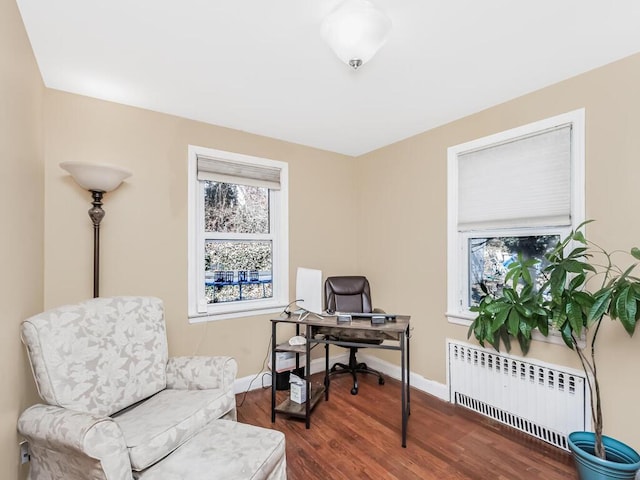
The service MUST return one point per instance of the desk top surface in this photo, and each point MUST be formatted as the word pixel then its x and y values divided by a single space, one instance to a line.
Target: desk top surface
pixel 400 324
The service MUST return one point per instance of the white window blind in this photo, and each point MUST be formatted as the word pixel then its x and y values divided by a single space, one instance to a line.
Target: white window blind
pixel 522 182
pixel 220 170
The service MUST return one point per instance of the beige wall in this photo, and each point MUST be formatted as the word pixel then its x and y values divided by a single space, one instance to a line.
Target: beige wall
pixel 144 232
pixel 404 190
pixel 21 216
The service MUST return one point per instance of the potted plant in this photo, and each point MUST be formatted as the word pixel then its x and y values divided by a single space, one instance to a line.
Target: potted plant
pixel 580 286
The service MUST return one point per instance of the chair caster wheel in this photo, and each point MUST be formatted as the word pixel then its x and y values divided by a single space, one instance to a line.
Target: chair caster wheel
pixel 354 391
pixel 380 381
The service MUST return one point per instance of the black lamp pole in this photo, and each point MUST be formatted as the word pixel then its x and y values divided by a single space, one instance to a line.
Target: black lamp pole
pixel 96 213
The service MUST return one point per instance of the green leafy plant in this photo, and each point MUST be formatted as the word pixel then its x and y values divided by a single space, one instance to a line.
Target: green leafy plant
pixel 580 289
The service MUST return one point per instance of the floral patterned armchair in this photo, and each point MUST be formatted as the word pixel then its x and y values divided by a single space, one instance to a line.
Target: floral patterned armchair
pixel 116 404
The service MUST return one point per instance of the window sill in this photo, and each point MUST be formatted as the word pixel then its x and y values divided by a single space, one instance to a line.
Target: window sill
pixel 465 319
pixel 212 316
pixel 460 318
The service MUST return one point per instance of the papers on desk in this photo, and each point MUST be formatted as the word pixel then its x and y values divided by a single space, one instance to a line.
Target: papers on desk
pixel 376 317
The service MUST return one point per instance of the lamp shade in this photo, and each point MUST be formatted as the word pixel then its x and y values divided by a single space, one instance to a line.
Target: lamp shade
pixel 96 177
pixel 355 31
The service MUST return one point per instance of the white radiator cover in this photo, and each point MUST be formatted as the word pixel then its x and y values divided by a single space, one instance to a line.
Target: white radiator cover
pixel 543 400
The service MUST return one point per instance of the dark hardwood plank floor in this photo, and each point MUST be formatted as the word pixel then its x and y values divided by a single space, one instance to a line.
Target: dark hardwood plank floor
pixel 358 437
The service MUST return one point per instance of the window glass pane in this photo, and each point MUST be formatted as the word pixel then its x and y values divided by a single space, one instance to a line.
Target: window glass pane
pixel 235 208
pixel 238 270
pixel 489 259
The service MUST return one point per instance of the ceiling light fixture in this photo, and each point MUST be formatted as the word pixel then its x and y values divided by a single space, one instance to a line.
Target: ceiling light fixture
pixel 355 31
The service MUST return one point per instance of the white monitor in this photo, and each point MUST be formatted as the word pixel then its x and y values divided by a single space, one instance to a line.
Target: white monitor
pixel 309 290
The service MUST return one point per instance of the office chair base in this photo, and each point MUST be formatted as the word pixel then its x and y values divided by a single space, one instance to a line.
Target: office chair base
pixel 340 368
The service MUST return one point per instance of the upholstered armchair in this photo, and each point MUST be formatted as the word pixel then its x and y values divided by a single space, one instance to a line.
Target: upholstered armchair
pixel 115 403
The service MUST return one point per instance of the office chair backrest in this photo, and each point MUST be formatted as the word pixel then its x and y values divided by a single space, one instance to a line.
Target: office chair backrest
pixel 347 294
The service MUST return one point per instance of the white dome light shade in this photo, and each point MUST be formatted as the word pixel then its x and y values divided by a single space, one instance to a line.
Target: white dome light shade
pixel 96 177
pixel 355 31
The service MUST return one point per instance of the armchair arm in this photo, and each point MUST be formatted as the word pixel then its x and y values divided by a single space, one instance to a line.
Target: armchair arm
pixel 199 373
pixel 74 445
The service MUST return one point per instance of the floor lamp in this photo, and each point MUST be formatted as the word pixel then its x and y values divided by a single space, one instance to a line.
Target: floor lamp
pixel 98 179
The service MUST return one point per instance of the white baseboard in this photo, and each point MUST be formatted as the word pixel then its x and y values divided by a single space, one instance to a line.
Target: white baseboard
pixel 417 381
pixel 253 382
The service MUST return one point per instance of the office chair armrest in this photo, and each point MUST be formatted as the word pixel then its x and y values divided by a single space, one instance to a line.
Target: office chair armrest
pixel 201 373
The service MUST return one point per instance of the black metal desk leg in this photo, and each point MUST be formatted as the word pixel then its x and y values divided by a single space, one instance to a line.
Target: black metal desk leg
pixel 307 375
pixel 403 376
pixel 327 379
pixel 273 372
pixel 408 373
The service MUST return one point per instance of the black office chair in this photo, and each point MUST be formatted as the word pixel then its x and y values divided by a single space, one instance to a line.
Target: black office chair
pixel 351 294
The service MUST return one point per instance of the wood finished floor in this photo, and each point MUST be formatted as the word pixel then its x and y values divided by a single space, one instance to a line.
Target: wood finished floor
pixel 358 437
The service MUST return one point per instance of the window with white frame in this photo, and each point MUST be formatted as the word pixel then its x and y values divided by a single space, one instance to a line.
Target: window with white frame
pixel 516 192
pixel 238 234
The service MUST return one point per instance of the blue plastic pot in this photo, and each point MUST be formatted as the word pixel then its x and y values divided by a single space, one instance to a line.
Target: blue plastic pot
pixel 622 461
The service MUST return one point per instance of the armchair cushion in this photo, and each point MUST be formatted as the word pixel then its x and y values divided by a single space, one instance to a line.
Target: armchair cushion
pixel 99 356
pixel 158 426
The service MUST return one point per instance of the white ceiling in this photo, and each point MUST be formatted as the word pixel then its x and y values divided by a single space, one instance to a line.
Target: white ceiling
pixel 262 67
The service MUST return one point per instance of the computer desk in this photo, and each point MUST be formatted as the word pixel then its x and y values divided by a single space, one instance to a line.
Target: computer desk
pixel 325 330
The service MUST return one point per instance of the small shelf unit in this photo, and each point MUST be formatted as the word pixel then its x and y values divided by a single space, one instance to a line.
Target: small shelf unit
pixel 315 391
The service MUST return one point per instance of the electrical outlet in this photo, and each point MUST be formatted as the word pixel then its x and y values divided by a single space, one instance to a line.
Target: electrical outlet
pixel 24 452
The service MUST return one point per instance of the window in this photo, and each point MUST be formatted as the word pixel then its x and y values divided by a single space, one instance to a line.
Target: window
pixel 516 192
pixel 490 256
pixel 238 235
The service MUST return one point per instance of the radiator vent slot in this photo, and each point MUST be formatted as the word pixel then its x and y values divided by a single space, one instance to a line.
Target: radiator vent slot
pixel 545 401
